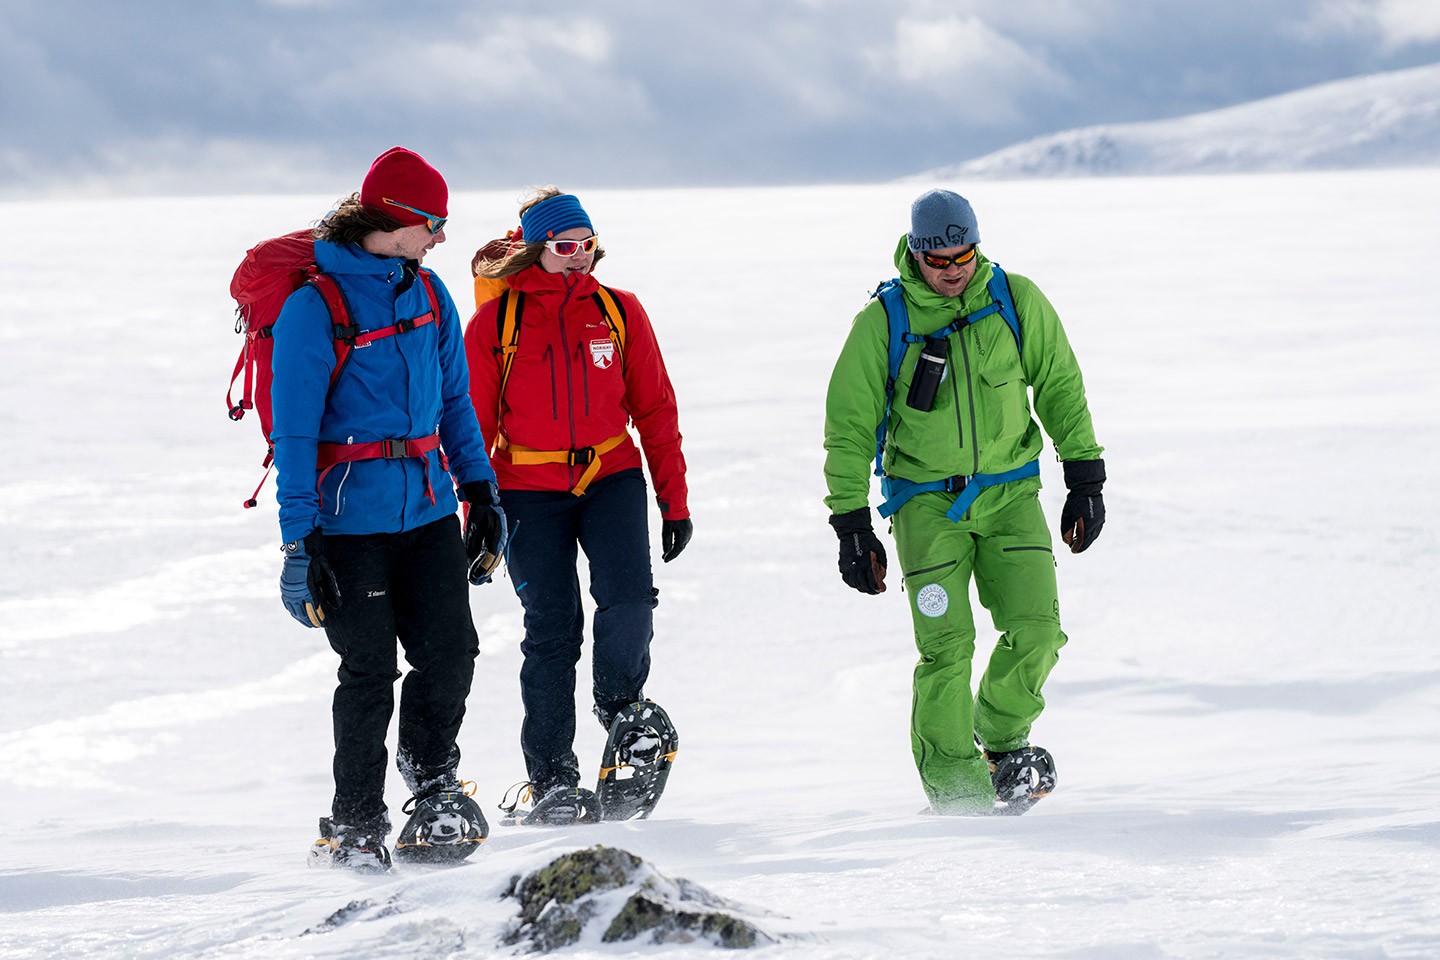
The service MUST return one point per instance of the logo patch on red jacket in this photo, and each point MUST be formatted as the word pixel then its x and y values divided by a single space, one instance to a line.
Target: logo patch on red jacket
pixel 602 352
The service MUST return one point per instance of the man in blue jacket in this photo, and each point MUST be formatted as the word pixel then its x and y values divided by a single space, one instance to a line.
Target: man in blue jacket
pixel 374 552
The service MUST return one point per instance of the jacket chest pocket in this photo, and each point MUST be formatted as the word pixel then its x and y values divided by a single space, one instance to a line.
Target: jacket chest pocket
pixel 1004 399
pixel 597 360
pixel 534 378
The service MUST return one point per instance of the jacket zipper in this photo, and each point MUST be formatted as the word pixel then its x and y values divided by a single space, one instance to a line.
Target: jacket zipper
pixel 970 395
pixel 584 374
pixel 569 373
pixel 955 392
pixel 554 400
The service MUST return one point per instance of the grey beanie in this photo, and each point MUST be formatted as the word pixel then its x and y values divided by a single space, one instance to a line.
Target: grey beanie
pixel 940 219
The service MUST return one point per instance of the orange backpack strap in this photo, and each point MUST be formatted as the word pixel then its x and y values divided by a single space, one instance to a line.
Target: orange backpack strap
pixel 614 316
pixel 587 457
pixel 507 321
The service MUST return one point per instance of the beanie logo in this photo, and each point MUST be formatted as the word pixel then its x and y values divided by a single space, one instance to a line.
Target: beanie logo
pixel 955 235
pixel 602 353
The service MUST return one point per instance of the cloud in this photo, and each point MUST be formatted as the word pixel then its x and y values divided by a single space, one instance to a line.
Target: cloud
pixel 962 60
pixel 630 92
pixel 1398 24
pixel 1406 22
pixel 523 67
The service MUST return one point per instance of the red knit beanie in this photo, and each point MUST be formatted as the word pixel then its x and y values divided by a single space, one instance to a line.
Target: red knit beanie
pixel 403 176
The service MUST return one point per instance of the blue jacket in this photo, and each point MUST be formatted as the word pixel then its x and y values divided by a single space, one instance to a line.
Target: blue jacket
pixel 406 386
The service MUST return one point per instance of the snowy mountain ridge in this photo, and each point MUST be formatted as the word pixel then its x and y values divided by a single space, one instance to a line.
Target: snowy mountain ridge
pixel 1368 122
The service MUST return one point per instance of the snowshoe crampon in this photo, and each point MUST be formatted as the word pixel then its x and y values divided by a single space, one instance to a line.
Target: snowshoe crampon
pixel 560 805
pixel 350 848
pixel 1021 778
pixel 444 827
pixel 636 763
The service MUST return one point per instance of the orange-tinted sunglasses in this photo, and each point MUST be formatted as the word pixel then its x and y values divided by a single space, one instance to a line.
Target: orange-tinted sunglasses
pixel 942 263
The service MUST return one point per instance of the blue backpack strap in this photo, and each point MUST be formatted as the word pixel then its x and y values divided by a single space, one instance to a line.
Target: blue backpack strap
pixel 999 289
pixel 892 298
pixel 1001 302
pixel 977 482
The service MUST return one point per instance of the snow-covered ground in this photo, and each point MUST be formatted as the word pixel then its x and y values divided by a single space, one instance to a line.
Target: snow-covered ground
pixel 1373 121
pixel 1246 719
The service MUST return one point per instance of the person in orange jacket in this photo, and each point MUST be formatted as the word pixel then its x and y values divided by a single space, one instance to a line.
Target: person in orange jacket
pixel 578 363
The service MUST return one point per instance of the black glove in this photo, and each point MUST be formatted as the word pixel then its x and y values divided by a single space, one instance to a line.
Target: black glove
pixel 674 534
pixel 1083 516
pixel 862 555
pixel 486 533
pixel 308 586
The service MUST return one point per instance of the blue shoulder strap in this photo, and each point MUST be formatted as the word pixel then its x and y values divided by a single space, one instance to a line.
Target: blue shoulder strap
pixel 892 298
pixel 999 289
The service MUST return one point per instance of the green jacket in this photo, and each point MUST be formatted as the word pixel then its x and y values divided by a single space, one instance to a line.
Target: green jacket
pixel 981 420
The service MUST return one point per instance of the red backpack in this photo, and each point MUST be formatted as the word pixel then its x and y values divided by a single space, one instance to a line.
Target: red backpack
pixel 271 271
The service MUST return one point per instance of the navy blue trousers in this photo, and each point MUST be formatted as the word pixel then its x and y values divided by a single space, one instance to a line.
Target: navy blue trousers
pixel 408 587
pixel 609 524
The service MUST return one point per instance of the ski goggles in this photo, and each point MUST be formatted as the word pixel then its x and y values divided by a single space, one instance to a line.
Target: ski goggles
pixel 436 224
pixel 572 248
pixel 943 263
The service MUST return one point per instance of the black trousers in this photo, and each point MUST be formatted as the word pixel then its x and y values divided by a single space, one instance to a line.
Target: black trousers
pixel 609 524
pixel 409 587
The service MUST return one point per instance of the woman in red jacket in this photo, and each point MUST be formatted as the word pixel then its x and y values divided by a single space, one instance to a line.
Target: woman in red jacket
pixel 559 366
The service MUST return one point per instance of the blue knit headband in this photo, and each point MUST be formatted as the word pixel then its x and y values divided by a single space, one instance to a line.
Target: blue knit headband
pixel 552 216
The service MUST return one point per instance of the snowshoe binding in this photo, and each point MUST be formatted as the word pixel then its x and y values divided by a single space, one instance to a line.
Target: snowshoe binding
pixel 559 805
pixel 636 763
pixel 350 848
pixel 445 827
pixel 1021 778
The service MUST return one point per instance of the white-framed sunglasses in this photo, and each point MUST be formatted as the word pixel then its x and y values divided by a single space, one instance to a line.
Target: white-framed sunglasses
pixel 572 248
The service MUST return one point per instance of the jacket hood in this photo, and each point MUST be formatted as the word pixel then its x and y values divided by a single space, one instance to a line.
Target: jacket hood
pixel 351 259
pixel 926 300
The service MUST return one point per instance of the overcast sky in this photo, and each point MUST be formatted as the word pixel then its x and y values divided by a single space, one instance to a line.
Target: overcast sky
pixel 200 96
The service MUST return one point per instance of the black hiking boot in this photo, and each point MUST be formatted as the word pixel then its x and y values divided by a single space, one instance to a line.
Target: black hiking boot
pixel 357 848
pixel 635 765
pixel 559 805
pixel 1021 778
pixel 444 827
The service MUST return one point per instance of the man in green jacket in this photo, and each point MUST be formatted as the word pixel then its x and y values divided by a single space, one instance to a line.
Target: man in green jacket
pixel 960 462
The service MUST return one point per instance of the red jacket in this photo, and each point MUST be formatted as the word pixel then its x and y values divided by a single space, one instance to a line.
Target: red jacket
pixel 568 389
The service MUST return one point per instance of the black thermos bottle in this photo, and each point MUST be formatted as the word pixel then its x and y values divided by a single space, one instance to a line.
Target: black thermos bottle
pixel 929 371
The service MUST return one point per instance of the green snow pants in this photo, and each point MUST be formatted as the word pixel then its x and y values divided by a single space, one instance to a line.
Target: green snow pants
pixel 1009 552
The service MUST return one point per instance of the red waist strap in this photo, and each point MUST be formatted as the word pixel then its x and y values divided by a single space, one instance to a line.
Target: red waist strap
pixel 331 455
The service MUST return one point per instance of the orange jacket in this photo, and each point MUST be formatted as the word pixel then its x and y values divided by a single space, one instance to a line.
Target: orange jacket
pixel 569 389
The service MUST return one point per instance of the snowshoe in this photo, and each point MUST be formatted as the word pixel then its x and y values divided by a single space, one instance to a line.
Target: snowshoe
pixel 351 848
pixel 636 763
pixel 560 805
pixel 1021 778
pixel 444 827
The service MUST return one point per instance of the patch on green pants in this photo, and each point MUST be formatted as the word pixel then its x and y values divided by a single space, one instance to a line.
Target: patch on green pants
pixel 932 600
